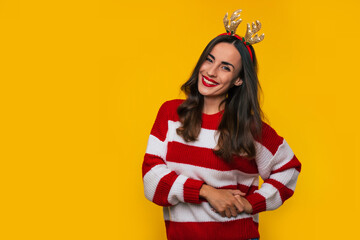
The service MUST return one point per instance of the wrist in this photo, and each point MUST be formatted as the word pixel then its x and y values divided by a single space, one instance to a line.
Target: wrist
pixel 248 207
pixel 204 190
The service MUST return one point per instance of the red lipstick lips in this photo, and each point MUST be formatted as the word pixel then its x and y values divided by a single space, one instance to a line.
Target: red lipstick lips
pixel 208 79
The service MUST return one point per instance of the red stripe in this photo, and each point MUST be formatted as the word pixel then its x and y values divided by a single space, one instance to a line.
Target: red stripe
pixel 172 109
pixel 211 121
pixel 253 189
pixel 192 190
pixel 243 188
pixel 238 229
pixel 167 111
pixel 257 201
pixel 150 161
pixel 163 189
pixel 204 157
pixel 285 192
pixel 160 126
pixel 173 105
pixel 270 139
pixel 293 163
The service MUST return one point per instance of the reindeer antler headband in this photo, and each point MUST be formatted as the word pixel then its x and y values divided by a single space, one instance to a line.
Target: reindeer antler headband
pixel 248 39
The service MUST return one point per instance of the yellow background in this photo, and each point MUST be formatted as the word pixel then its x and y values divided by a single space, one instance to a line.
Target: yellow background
pixel 81 83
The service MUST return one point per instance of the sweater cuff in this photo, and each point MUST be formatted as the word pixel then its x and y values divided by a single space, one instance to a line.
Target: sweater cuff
pixel 257 201
pixel 192 190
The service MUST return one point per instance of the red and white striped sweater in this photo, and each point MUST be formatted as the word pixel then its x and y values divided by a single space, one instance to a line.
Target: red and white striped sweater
pixel 173 172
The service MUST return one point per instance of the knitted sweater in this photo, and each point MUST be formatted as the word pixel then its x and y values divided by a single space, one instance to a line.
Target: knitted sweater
pixel 174 171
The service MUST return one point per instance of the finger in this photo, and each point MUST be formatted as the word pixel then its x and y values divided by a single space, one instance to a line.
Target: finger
pixel 238 197
pixel 233 211
pixel 228 213
pixel 239 204
pixel 238 192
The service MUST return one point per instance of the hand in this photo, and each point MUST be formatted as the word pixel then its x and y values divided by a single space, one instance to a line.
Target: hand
pixel 245 205
pixel 224 201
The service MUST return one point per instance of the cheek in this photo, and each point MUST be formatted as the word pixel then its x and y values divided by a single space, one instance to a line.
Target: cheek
pixel 203 66
pixel 228 78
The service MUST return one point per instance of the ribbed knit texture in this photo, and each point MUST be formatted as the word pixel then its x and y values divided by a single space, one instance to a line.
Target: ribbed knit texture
pixel 174 171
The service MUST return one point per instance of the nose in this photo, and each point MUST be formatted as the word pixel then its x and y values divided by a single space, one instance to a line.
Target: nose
pixel 212 70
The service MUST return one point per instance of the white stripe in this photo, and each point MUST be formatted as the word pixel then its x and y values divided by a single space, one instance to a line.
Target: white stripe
pixel 271 194
pixel 176 193
pixel 166 213
pixel 206 139
pixel 256 217
pixel 184 212
pixel 283 155
pixel 287 177
pixel 156 147
pixel 255 182
pixel 152 179
pixel 263 156
pixel 213 177
pixel 267 162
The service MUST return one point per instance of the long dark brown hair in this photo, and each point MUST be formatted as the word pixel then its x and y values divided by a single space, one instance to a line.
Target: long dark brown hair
pixel 241 122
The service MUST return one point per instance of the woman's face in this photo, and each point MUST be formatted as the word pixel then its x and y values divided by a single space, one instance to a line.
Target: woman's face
pixel 220 71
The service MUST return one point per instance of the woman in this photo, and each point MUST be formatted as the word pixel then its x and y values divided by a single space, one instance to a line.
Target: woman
pixel 205 153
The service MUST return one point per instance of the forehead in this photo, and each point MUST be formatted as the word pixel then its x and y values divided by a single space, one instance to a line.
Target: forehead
pixel 226 52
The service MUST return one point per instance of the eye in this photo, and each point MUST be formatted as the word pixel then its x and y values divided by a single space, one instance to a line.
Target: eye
pixel 226 68
pixel 208 59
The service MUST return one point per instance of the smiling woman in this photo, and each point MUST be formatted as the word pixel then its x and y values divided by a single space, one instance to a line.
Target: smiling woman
pixel 232 65
pixel 205 153
pixel 218 72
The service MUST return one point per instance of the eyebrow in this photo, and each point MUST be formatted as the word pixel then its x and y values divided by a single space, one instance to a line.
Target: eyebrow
pixel 226 63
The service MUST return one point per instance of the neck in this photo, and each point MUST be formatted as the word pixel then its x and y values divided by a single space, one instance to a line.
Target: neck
pixel 211 105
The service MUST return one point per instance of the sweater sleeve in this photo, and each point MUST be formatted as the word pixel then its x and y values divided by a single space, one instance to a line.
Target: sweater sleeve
pixel 278 167
pixel 163 186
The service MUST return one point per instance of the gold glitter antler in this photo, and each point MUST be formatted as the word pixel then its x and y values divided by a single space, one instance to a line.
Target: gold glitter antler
pixel 233 24
pixel 255 28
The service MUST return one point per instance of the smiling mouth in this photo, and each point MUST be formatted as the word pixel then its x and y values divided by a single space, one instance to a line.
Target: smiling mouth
pixel 208 82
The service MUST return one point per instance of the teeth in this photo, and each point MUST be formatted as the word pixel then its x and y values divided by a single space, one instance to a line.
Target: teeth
pixel 208 82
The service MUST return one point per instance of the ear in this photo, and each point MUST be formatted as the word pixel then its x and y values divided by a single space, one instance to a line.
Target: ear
pixel 238 81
